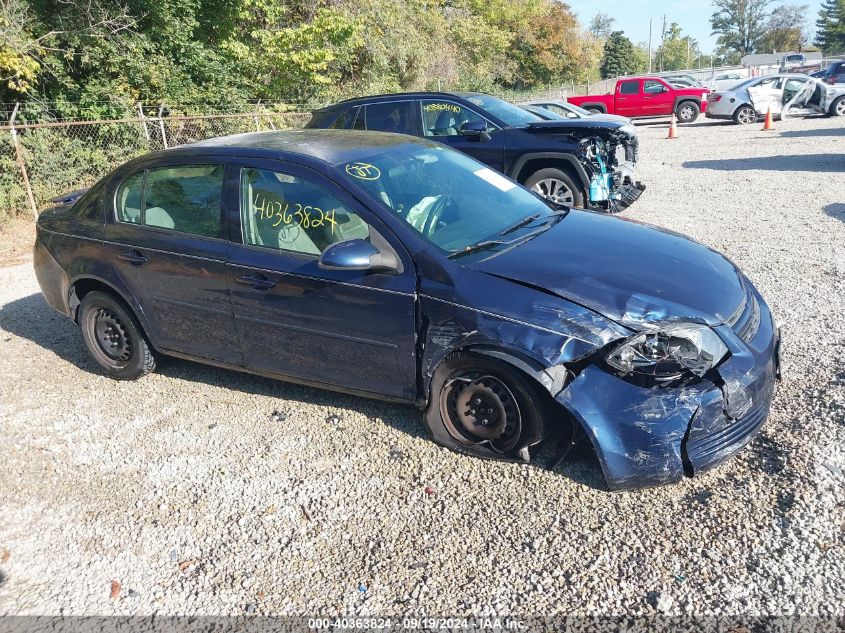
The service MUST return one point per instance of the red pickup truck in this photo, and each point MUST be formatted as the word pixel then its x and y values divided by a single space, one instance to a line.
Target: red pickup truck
pixel 638 97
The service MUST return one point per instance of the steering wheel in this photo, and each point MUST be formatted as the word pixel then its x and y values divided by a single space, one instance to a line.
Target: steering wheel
pixel 434 215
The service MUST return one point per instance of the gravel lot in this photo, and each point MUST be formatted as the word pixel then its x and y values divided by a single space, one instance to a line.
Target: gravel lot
pixel 204 491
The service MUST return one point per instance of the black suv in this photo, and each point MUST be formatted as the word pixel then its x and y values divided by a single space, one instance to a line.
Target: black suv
pixel 577 162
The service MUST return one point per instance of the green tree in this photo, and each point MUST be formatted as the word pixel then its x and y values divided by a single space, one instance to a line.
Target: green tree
pixel 619 57
pixel 830 27
pixel 739 25
pixel 678 50
pixel 786 29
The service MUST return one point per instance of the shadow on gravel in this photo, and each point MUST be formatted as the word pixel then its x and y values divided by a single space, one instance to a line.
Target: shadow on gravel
pixel 3 578
pixel 836 210
pixel 798 162
pixel 32 319
pixel 836 131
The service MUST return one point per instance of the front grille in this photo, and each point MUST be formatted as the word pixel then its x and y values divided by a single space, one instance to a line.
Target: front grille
pixel 746 320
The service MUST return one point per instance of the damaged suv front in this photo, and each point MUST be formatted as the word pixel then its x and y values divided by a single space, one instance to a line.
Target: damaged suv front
pixel 610 160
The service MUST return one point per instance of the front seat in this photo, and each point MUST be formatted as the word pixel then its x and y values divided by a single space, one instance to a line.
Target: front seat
pixel 445 124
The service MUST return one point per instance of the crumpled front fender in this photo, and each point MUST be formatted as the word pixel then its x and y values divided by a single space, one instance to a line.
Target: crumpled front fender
pixel 637 432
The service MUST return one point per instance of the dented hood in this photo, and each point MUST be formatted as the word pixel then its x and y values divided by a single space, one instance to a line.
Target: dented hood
pixel 628 272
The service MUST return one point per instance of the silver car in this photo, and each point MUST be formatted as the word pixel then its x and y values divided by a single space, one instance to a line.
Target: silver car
pixel 785 94
pixel 571 111
pixel 726 81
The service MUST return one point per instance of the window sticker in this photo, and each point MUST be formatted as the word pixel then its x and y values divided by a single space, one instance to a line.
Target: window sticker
pixel 363 171
pixel 497 180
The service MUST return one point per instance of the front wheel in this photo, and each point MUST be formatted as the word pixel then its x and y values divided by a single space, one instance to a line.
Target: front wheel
pixel 745 115
pixel 687 112
pixel 484 407
pixel 838 107
pixel 114 338
pixel 557 186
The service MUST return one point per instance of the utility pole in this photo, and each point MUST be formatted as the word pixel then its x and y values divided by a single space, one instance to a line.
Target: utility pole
pixel 688 43
pixel 663 43
pixel 649 45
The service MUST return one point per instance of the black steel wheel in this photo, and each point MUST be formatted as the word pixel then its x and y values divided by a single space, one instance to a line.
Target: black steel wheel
pixel 114 338
pixel 484 407
pixel 480 408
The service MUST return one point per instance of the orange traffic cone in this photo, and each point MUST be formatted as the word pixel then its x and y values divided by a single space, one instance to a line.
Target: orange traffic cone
pixel 673 129
pixel 769 124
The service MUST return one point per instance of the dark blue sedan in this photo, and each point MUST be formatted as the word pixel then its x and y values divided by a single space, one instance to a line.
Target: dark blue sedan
pixel 397 268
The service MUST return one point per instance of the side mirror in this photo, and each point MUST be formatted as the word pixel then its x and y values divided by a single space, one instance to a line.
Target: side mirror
pixel 478 129
pixel 357 255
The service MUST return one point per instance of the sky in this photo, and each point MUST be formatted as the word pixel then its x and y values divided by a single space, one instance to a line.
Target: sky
pixel 693 16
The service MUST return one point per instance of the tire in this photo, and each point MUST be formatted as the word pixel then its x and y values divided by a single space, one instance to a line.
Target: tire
pixel 687 111
pixel 556 185
pixel 114 338
pixel 745 115
pixel 594 110
pixel 513 406
pixel 837 108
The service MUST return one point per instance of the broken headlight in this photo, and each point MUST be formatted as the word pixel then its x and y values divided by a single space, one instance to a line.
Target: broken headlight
pixel 669 352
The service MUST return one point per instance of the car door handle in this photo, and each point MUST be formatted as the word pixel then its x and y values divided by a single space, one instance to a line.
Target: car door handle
pixel 134 256
pixel 259 282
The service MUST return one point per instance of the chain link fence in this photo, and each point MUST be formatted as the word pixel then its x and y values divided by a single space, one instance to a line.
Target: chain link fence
pixel 39 161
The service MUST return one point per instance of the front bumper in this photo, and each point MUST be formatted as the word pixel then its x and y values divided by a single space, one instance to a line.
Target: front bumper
pixel 648 436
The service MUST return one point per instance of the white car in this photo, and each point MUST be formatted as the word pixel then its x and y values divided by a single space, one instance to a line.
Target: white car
pixel 785 94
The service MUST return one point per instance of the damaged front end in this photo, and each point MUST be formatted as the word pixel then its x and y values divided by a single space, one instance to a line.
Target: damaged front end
pixel 660 397
pixel 653 429
pixel 610 162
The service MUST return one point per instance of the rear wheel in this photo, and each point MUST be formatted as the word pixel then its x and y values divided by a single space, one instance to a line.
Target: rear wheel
pixel 557 186
pixel 114 338
pixel 687 112
pixel 484 407
pixel 745 115
pixel 838 107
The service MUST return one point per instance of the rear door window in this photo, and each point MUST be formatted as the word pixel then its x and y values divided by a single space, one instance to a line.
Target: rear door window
pixel 128 199
pixel 395 116
pixel 184 198
pixel 629 87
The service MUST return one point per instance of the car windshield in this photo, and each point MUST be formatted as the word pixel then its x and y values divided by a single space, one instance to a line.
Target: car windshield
pixel 508 113
pixel 546 113
pixel 578 109
pixel 453 201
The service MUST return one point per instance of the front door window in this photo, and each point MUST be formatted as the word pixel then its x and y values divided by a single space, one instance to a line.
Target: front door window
pixel 290 213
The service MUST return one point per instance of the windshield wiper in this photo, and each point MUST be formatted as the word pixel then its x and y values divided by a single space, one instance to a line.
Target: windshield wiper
pixel 520 224
pixel 474 248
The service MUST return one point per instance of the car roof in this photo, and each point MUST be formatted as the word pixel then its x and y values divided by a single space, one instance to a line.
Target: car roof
pixel 328 146
pixel 390 96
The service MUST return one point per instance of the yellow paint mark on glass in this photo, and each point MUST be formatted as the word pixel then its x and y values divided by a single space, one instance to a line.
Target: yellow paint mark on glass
pixel 363 171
